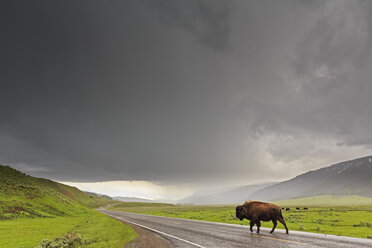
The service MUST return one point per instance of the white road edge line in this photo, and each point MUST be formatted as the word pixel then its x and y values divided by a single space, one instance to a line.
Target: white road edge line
pixel 163 233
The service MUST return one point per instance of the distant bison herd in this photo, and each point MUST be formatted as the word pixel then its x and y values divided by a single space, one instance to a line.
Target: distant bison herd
pixel 256 212
pixel 287 209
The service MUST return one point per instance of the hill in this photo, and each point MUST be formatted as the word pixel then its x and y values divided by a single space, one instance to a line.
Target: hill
pixel 131 199
pixel 25 196
pixel 223 196
pixel 346 178
pixel 97 194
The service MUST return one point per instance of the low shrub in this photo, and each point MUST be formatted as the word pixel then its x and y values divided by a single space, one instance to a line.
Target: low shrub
pixel 302 227
pixel 69 240
pixel 363 224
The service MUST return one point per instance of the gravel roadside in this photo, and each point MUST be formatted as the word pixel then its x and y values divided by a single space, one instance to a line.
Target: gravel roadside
pixel 147 239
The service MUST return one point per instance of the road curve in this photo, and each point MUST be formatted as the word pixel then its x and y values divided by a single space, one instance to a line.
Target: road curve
pixel 202 234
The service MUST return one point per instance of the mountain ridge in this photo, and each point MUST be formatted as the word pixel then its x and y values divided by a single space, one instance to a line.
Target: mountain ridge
pixel 230 195
pixel 351 177
pixel 131 199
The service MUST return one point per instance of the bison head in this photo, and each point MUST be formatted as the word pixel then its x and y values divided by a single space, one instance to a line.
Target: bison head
pixel 239 212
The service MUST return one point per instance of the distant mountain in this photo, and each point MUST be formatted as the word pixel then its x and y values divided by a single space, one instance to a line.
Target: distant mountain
pixel 352 177
pixel 230 195
pixel 97 194
pixel 131 199
pixel 25 196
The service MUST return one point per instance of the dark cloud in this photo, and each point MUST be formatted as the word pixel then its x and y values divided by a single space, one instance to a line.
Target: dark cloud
pixel 108 90
pixel 331 86
pixel 317 94
pixel 121 91
pixel 207 21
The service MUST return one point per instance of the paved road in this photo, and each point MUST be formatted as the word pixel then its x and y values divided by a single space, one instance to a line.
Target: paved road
pixel 191 233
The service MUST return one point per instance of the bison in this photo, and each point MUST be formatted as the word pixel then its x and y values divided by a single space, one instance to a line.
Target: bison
pixel 256 212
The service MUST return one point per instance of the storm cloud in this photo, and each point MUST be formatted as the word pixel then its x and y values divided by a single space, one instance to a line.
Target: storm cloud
pixel 184 91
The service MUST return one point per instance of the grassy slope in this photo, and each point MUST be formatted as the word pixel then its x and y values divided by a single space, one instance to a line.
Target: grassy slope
pixel 32 209
pixel 25 196
pixel 97 230
pixel 91 201
pixel 337 217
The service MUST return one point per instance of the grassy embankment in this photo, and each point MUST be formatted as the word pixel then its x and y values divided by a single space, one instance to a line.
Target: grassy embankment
pixel 33 209
pixel 347 216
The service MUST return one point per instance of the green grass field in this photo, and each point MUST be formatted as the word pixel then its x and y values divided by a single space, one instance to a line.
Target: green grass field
pixel 326 214
pixel 325 200
pixel 34 209
pixel 96 229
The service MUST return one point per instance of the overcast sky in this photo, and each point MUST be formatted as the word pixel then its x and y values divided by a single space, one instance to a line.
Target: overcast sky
pixel 171 93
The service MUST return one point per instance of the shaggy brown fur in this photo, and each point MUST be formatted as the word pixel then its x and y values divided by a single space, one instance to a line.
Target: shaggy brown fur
pixel 256 212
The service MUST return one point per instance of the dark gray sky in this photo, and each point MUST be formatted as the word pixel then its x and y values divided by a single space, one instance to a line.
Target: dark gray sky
pixel 184 91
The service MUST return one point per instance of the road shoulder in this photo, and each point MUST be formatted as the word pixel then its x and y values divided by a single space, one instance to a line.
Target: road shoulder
pixel 147 239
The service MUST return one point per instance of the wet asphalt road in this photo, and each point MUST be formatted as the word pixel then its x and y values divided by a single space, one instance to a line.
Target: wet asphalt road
pixel 191 233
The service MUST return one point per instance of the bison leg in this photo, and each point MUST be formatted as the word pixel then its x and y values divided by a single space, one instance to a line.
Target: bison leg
pixel 252 224
pixel 281 220
pixel 275 223
pixel 258 223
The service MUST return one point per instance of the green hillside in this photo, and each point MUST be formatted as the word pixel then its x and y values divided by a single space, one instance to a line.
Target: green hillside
pixel 88 200
pixel 25 196
pixel 35 209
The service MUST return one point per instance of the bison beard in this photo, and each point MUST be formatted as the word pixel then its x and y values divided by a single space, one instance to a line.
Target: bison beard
pixel 256 212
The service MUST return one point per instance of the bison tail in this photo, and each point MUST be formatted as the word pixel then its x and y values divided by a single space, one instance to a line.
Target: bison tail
pixel 280 214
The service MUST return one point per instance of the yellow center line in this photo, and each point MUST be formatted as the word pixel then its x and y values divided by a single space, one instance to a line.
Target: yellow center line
pixel 284 240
